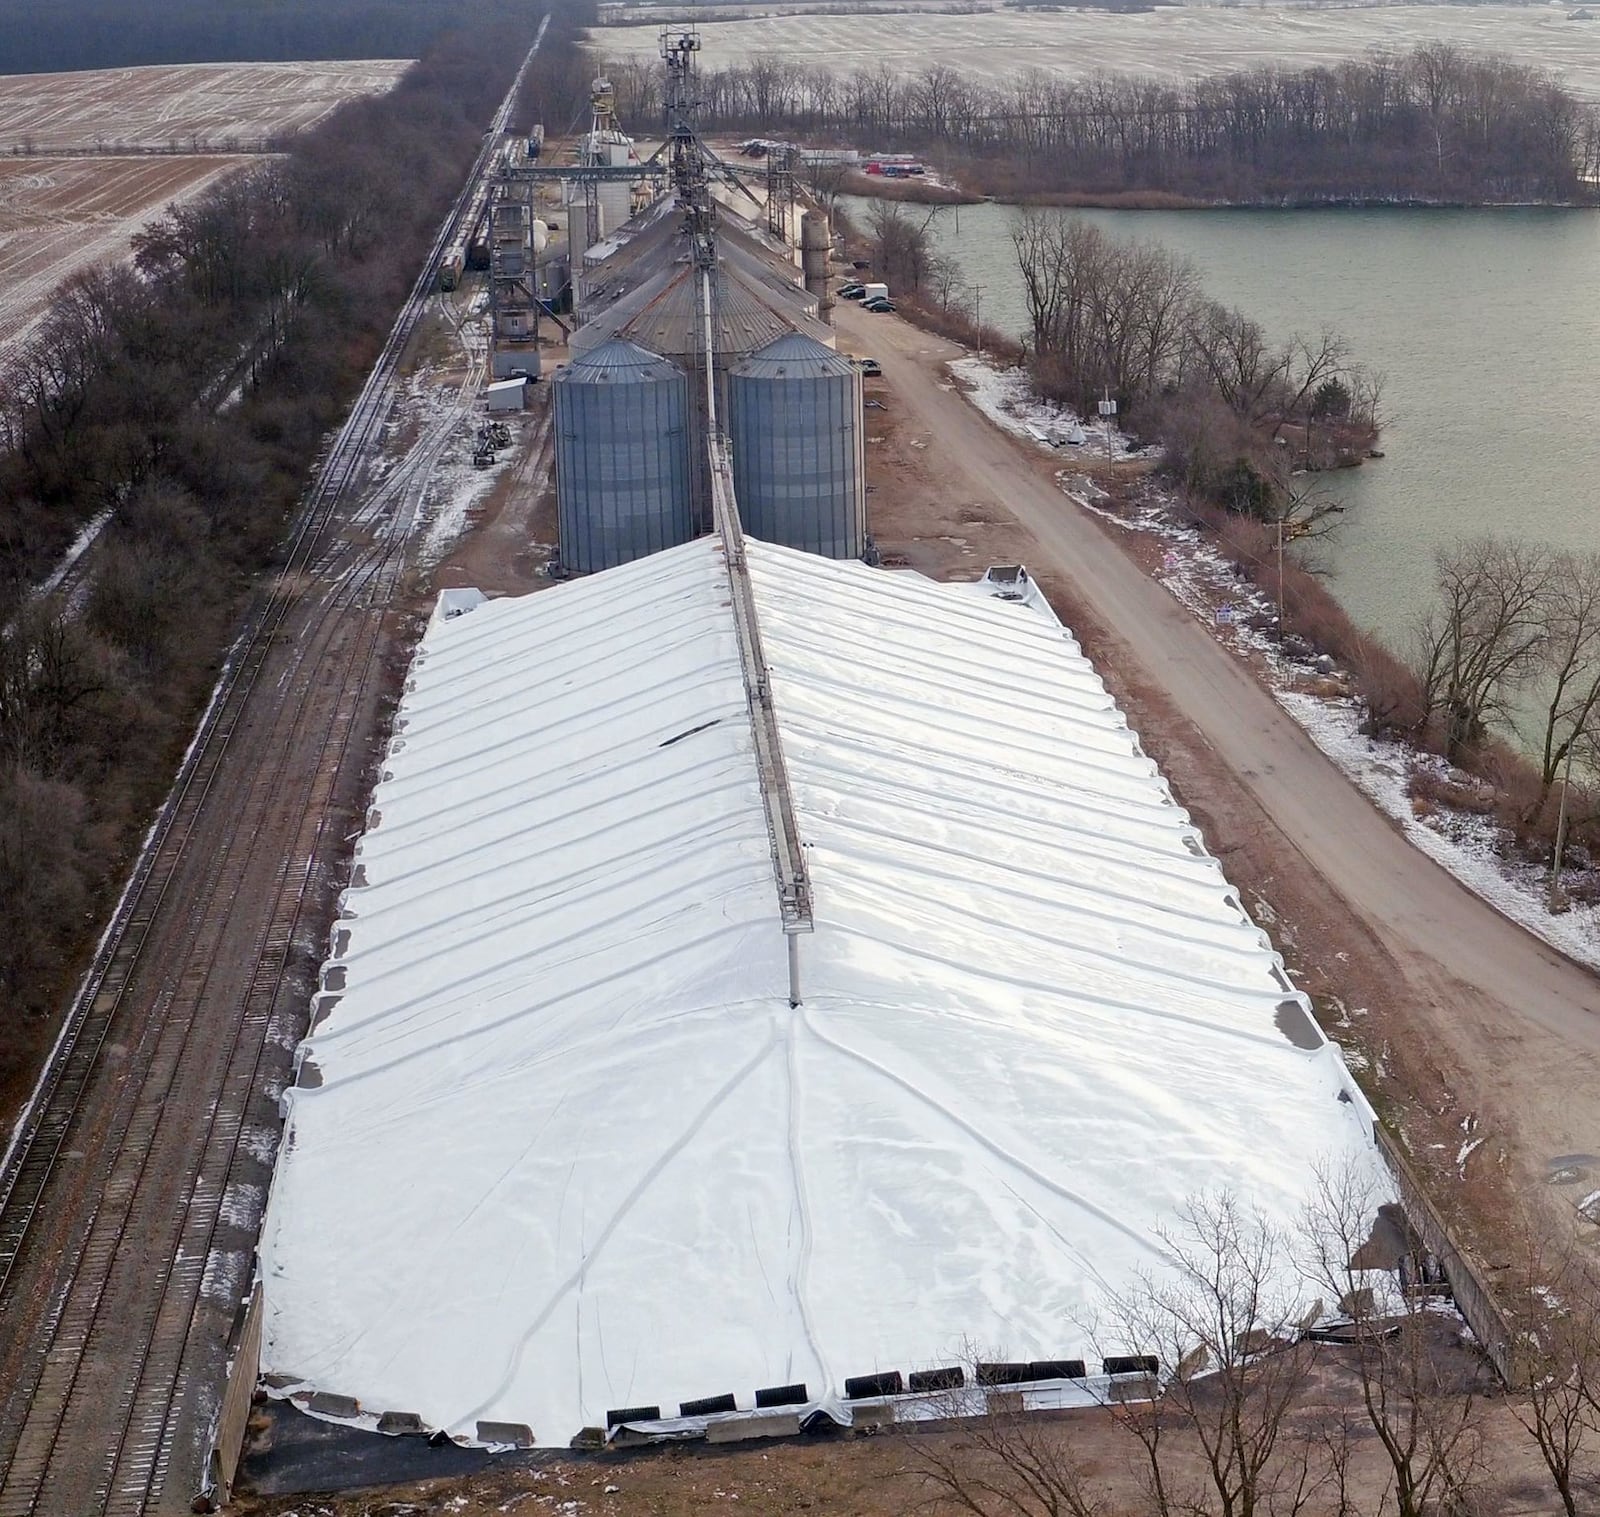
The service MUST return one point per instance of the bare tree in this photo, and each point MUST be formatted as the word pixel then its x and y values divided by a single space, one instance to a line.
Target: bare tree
pixel 1225 1320
pixel 1572 709
pixel 1107 316
pixel 1128 321
pixel 1004 1462
pixel 1561 1350
pixel 49 676
pixel 1306 512
pixel 42 880
pixel 902 244
pixel 825 178
pixel 1486 637
pixel 945 282
pixel 1425 1413
pixel 1243 367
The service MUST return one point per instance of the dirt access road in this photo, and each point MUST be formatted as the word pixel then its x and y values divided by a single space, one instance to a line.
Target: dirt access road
pixel 1506 1028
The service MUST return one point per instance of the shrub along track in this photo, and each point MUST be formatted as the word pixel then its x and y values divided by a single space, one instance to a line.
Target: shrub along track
pixel 130 1203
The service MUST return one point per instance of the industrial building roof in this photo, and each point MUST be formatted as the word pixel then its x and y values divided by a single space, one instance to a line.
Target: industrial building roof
pixel 646 291
pixel 747 316
pixel 607 262
pixel 560 1143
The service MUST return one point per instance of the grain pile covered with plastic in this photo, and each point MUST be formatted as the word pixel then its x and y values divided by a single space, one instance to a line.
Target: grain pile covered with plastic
pixel 561 1144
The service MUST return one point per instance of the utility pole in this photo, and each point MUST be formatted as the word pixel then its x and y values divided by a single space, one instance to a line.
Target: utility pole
pixel 1280 579
pixel 977 314
pixel 1108 411
pixel 1561 830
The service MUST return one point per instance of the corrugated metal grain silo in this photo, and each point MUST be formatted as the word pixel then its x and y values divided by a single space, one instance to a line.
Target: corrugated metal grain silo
pixel 798 468
pixel 622 456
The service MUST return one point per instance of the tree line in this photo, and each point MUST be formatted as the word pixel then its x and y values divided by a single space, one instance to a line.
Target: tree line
pixel 85 34
pixel 1241 418
pixel 556 89
pixel 180 398
pixel 1237 414
pixel 1436 125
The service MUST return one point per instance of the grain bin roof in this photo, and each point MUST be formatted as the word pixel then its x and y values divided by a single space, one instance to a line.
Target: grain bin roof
pixel 561 1144
pixel 616 362
pixel 794 356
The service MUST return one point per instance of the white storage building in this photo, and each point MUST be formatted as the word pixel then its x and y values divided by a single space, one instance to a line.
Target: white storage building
pixel 507 395
pixel 561 1144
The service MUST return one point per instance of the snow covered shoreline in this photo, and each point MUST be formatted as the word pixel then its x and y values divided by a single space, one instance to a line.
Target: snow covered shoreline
pixel 1470 846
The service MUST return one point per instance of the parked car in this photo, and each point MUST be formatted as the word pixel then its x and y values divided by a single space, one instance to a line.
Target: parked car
pixel 870 367
pixel 879 307
pixel 854 290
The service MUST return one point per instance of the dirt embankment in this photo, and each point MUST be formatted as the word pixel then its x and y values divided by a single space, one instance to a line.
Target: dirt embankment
pixel 915 190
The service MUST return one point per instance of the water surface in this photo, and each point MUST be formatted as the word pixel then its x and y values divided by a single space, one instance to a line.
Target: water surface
pixel 1485 324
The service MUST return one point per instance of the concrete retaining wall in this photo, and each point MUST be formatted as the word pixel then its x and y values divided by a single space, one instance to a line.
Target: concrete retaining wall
pixel 1471 1291
pixel 244 1365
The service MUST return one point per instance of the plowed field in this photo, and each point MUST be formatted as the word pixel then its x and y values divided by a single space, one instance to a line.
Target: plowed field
pixel 194 106
pixel 1174 42
pixel 58 215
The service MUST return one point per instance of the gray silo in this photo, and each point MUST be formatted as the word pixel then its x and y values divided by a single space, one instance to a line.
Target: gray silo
pixel 622 456
pixel 795 425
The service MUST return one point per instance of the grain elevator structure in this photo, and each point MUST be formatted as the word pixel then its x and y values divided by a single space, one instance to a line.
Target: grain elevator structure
pixel 700 285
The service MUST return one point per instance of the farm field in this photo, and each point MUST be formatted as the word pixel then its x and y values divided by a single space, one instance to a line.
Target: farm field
pixel 1178 42
pixel 193 106
pixel 58 215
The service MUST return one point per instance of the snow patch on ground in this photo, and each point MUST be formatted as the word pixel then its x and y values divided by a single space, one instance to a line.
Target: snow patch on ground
pixel 259 1143
pixel 444 416
pixel 456 488
pixel 1006 397
pixel 225 1275
pixel 241 1205
pixel 80 545
pixel 1470 846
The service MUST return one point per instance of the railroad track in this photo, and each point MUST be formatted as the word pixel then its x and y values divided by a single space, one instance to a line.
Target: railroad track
pixel 126 1224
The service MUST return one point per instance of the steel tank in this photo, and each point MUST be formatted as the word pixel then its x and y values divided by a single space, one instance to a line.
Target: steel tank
pixel 816 242
pixel 796 429
pixel 622 457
